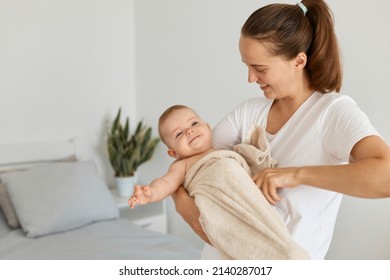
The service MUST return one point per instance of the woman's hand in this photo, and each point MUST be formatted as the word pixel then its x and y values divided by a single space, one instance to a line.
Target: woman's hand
pixel 186 207
pixel 367 175
pixel 270 180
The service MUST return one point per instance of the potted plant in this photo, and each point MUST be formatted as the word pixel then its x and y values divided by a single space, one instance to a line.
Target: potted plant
pixel 128 151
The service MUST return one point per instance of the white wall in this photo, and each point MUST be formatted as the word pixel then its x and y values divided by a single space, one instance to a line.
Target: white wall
pixel 186 52
pixel 65 68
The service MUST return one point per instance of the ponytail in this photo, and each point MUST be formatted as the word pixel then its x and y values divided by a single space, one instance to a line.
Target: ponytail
pixel 306 27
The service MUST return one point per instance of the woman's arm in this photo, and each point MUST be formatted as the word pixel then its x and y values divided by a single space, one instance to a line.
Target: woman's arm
pixel 367 176
pixel 186 207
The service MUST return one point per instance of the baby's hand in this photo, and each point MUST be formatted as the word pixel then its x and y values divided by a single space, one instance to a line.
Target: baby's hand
pixel 132 201
pixel 141 195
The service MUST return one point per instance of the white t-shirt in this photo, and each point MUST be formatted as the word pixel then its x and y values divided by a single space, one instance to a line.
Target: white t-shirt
pixel 322 131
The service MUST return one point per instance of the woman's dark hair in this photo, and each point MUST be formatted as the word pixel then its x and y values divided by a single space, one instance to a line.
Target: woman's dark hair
pixel 290 31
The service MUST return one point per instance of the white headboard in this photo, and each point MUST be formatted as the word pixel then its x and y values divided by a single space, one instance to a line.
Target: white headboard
pixel 35 152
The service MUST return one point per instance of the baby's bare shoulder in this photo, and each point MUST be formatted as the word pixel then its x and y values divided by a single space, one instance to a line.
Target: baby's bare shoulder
pixel 179 164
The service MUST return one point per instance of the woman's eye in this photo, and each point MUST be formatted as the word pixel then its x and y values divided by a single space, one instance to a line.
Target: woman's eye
pixel 260 70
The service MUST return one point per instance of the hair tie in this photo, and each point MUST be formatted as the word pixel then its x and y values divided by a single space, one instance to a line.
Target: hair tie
pixel 303 7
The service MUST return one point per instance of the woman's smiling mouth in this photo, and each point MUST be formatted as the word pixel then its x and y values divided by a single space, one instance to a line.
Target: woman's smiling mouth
pixel 263 87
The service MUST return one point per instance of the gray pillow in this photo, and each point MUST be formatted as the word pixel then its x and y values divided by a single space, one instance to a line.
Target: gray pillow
pixel 8 208
pixel 59 197
pixel 4 229
pixel 5 200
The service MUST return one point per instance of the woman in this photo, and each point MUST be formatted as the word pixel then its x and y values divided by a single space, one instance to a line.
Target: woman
pixel 324 143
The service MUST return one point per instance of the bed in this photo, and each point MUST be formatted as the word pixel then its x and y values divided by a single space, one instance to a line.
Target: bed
pixel 56 206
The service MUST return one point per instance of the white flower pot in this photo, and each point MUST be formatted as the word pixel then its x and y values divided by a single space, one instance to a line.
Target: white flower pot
pixel 125 185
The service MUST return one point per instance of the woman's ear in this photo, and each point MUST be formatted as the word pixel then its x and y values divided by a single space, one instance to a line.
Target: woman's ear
pixel 172 153
pixel 300 60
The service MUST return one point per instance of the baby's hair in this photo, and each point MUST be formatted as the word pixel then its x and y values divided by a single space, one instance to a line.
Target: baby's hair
pixel 167 113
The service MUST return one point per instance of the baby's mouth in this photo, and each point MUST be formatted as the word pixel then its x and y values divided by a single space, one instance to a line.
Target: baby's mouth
pixel 193 139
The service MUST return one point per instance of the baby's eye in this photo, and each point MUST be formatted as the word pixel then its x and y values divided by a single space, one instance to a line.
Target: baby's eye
pixel 178 134
pixel 194 123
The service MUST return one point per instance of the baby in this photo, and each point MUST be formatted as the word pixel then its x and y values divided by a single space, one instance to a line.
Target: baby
pixel 188 139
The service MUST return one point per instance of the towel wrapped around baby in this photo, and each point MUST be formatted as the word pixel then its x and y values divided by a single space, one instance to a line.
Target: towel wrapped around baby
pixel 238 220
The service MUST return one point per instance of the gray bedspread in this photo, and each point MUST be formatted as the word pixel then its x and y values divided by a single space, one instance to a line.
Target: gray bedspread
pixel 106 240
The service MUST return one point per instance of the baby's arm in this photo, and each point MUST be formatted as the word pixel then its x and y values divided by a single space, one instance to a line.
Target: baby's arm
pixel 159 188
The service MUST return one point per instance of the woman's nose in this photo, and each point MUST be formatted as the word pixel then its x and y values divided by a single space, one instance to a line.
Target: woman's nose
pixel 251 76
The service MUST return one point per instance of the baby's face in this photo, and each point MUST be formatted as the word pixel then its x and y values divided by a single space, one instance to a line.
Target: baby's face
pixel 186 134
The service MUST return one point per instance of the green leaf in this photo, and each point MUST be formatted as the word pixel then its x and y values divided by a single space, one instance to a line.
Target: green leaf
pixel 116 122
pixel 127 129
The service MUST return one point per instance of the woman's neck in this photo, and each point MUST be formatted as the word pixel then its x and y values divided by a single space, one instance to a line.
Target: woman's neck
pixel 283 109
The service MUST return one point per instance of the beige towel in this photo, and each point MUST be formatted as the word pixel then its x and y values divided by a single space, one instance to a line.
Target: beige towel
pixel 256 150
pixel 235 215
